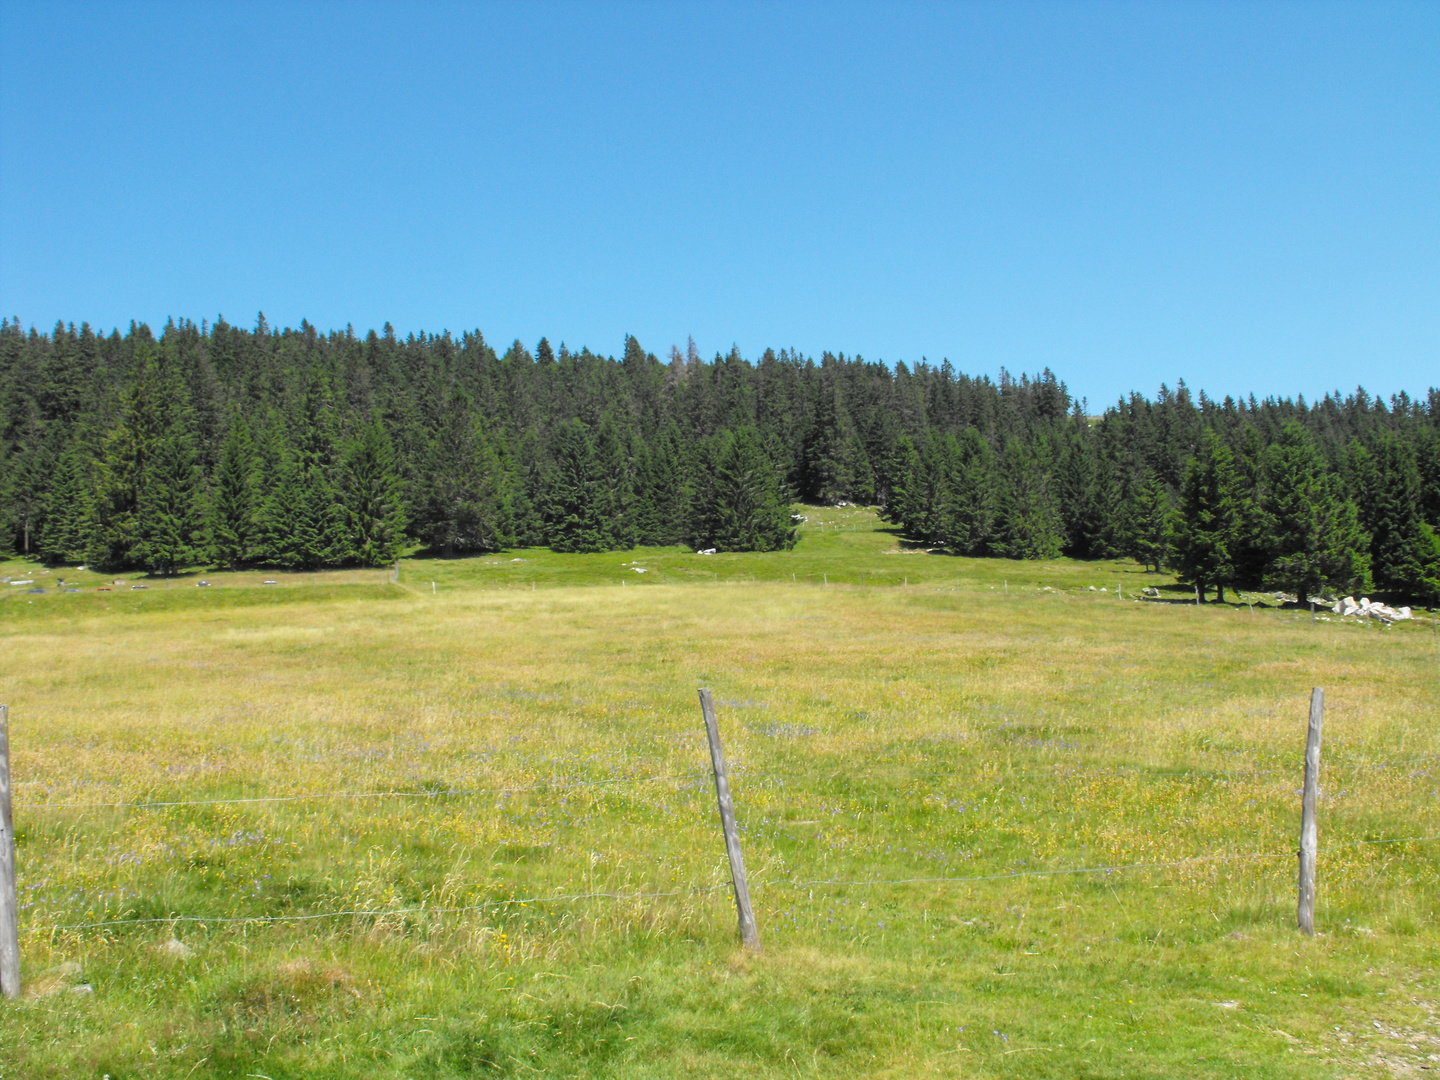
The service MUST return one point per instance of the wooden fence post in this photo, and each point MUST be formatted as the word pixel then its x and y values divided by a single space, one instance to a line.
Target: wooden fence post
pixel 1308 831
pixel 9 911
pixel 748 932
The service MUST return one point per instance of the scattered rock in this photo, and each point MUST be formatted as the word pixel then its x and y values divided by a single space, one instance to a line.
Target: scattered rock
pixel 1371 608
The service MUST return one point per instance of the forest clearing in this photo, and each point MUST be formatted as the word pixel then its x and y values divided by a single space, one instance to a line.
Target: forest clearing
pixel 464 824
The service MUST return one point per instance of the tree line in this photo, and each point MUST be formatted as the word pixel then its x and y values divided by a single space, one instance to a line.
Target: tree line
pixel 220 445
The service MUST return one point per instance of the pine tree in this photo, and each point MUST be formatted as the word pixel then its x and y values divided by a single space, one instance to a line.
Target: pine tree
pixel 124 459
pixel 1029 524
pixel 374 513
pixel 968 501
pixel 1315 535
pixel 578 504
pixel 279 503
pixel 321 538
pixel 1206 521
pixel 901 505
pixel 1250 549
pixel 465 503
pixel 1078 510
pixel 68 509
pixel 1389 500
pixel 615 454
pixel 746 511
pixel 169 520
pixel 1145 513
pixel 230 521
pixel 661 498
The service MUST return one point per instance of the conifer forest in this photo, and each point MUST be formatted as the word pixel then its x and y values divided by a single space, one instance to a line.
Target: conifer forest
pixel 214 445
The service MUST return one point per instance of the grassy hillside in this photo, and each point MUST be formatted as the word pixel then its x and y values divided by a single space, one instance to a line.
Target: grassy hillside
pixel 536 880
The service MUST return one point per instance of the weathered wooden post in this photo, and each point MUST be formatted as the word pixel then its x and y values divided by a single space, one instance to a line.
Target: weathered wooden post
pixel 9 910
pixel 748 932
pixel 1308 831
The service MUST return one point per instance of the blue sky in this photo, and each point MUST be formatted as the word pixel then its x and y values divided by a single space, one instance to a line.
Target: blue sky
pixel 1243 196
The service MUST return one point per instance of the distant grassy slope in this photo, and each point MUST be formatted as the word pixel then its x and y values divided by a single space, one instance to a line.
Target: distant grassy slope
pixel 877 734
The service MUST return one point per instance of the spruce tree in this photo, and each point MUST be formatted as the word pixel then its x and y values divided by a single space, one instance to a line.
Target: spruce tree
pixel 578 504
pixel 321 538
pixel 231 514
pixel 68 509
pixel 1145 528
pixel 661 492
pixel 169 520
pixel 1029 524
pixel 1389 500
pixel 747 512
pixel 615 453
pixel 1077 497
pixel 124 462
pixel 374 513
pixel 1315 535
pixel 465 499
pixel 279 504
pixel 1206 521
pixel 903 504
pixel 969 498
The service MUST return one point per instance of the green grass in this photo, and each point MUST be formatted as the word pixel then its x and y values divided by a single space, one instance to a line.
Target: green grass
pixel 945 728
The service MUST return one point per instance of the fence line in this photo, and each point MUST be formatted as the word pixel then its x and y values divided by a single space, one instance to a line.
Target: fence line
pixel 1104 869
pixel 241 800
pixel 701 890
pixel 741 773
pixel 376 913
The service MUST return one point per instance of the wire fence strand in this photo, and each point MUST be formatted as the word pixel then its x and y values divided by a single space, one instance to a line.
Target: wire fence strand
pixel 738 774
pixel 223 920
pixel 324 795
pixel 759 886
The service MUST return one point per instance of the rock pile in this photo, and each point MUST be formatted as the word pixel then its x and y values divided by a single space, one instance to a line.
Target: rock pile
pixel 1374 609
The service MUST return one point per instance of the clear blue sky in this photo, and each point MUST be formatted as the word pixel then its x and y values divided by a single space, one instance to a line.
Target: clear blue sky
pixel 1243 196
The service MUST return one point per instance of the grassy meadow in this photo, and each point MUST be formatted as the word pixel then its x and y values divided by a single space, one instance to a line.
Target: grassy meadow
pixel 499 852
